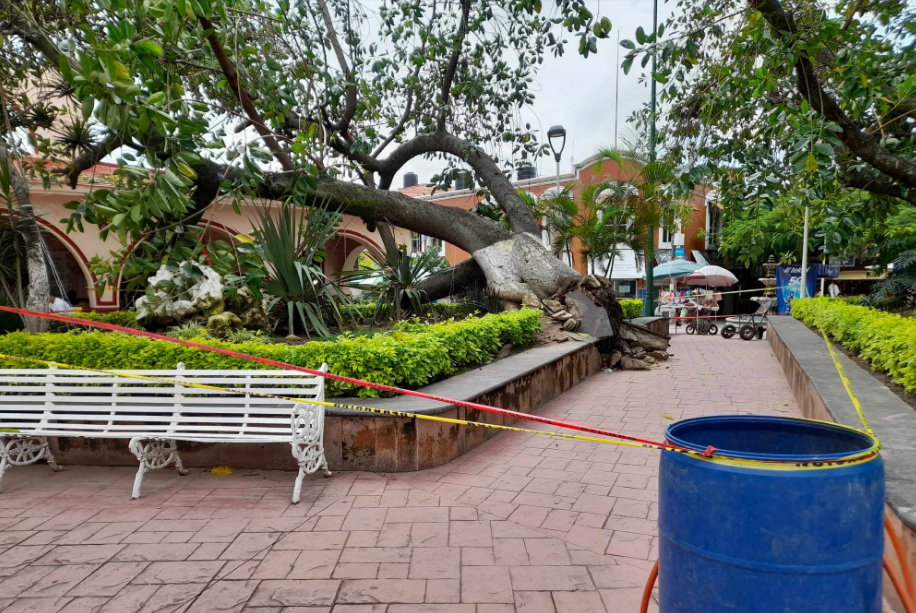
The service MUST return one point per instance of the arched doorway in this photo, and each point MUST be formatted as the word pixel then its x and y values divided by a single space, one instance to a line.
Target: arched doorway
pixel 345 250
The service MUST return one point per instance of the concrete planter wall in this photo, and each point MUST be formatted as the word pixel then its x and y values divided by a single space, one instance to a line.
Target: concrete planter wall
pixel 820 394
pixel 362 441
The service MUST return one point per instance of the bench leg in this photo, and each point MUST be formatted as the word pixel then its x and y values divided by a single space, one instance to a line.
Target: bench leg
pixel 308 443
pixel 49 457
pixel 22 451
pixel 154 454
pixel 4 459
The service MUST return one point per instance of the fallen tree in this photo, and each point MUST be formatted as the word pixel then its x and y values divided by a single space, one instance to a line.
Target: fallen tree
pixel 296 102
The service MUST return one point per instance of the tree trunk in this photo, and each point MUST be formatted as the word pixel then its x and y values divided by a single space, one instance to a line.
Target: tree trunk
pixel 25 224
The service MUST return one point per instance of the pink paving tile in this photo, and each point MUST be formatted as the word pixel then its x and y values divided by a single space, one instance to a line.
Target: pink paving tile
pixel 59 581
pixel 534 602
pixel 38 605
pixel 312 540
pixel 551 578
pixel 276 565
pixel 443 591
pixel 131 599
pixel 171 598
pixel 630 545
pixel 80 554
pixel 224 596
pixel 155 553
pixel 431 608
pixel 314 564
pixel 300 593
pixel 356 571
pixel 354 591
pixel 486 584
pixel 477 556
pixel 579 602
pixel 88 604
pixel 547 552
pixel 108 579
pixel 435 563
pixel 430 535
pixel 470 534
pixel 178 572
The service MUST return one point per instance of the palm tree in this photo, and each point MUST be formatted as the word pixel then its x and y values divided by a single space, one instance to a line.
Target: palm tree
pixel 558 213
pixel 609 220
pixel 644 196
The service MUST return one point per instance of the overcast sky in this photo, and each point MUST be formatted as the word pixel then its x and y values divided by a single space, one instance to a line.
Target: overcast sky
pixel 578 93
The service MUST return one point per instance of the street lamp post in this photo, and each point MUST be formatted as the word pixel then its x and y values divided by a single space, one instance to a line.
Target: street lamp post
pixel 649 303
pixel 556 136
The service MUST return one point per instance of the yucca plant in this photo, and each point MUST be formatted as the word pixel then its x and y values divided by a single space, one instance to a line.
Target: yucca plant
pixel 292 245
pixel 393 281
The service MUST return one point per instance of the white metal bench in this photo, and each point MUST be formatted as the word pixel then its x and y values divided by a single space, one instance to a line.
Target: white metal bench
pixel 38 403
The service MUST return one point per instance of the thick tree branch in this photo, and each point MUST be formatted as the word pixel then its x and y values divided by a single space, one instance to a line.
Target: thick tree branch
pixel 23 25
pixel 242 95
pixel 89 158
pixel 448 282
pixel 453 62
pixel 879 185
pixel 385 231
pixel 866 147
pixel 343 126
pixel 487 170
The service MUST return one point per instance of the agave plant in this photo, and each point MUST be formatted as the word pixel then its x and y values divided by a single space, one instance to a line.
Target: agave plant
pixel 393 281
pixel 292 245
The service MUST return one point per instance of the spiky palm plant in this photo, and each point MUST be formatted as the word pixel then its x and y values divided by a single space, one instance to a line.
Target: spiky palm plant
pixel 392 281
pixel 292 246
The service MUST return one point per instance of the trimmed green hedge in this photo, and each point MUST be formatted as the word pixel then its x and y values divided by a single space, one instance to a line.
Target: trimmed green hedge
pixel 365 311
pixel 118 318
pixel 412 355
pixel 887 341
pixel 632 308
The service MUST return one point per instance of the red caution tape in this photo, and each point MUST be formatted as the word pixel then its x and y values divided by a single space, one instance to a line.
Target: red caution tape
pixel 342 379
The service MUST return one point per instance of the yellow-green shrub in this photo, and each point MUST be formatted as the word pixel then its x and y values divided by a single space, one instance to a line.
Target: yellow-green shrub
pixel 632 308
pixel 887 341
pixel 118 318
pixel 411 357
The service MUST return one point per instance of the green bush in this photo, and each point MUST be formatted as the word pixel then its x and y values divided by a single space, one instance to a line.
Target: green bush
pixel 411 356
pixel 365 311
pixel 887 341
pixel 632 308
pixel 127 319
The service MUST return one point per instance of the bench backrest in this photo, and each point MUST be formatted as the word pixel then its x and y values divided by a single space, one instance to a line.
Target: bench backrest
pixel 61 402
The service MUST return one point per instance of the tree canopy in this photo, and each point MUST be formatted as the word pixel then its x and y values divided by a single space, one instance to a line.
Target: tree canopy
pixel 299 101
pixel 758 96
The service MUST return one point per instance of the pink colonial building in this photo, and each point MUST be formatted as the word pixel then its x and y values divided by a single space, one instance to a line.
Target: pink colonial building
pixel 71 253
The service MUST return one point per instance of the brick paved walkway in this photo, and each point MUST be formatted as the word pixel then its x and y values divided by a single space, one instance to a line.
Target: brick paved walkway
pixel 524 523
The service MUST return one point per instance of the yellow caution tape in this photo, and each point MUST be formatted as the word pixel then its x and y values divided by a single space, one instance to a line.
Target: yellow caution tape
pixel 719 459
pixel 848 386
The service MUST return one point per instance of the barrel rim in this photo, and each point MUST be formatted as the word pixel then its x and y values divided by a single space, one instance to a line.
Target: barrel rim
pixel 867 442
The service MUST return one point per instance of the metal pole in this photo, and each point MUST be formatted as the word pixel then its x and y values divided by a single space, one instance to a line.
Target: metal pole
pixel 804 272
pixel 617 91
pixel 649 302
pixel 568 254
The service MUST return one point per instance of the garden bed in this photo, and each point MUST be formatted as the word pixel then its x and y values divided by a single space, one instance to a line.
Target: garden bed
pixel 886 341
pixel 410 355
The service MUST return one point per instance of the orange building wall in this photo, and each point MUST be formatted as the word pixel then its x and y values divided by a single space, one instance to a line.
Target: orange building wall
pixel 585 174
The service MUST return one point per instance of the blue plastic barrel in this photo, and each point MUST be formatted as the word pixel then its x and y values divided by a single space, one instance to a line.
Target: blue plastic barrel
pixel 749 540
